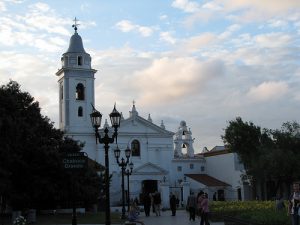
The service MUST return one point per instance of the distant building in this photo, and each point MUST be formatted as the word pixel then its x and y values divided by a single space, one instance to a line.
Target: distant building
pixel 160 164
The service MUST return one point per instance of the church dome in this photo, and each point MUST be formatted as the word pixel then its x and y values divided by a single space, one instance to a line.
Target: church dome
pixel 76 44
pixel 182 123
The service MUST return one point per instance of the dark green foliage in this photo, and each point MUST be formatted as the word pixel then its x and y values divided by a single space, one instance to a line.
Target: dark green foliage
pixel 268 155
pixel 31 170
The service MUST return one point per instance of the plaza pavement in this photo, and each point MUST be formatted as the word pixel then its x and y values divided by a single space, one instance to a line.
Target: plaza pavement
pixel 181 218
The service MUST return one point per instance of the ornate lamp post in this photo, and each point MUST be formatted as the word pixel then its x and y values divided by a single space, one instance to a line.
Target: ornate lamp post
pixel 115 118
pixel 128 172
pixel 123 163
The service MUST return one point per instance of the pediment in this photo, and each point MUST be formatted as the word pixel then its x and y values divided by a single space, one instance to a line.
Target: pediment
pixel 150 168
pixel 141 125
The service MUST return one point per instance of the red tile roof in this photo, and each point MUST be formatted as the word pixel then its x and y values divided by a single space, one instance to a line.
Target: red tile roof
pixel 206 180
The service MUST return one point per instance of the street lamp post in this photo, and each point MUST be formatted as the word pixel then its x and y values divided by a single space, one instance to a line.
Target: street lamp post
pixel 128 172
pixel 115 118
pixel 123 163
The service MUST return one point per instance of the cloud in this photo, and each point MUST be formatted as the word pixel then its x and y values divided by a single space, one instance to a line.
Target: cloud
pixel 196 43
pixel 186 5
pixel 163 17
pixel 277 23
pixel 267 91
pixel 167 37
pixel 273 40
pixel 240 11
pixel 127 26
pixel 35 74
pixel 2 7
pixel 172 79
pixel 229 31
pixel 212 6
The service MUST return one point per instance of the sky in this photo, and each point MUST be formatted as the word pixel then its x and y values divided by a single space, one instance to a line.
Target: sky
pixel 204 62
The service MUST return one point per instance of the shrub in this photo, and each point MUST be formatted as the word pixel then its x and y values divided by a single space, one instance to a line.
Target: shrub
pixel 259 212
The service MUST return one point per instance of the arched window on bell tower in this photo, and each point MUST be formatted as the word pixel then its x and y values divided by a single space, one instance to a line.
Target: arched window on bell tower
pixel 79 61
pixel 135 148
pixel 80 92
pixel 80 111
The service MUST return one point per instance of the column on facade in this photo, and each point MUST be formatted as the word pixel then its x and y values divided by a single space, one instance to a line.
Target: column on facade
pixel 186 191
pixel 165 194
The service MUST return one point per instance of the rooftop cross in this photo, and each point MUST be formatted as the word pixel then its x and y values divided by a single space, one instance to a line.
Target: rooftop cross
pixel 75 24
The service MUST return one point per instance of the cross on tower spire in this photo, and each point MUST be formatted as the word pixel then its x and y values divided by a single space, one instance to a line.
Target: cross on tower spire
pixel 75 24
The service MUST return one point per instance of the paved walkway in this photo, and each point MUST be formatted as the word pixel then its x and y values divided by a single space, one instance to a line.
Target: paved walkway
pixel 181 218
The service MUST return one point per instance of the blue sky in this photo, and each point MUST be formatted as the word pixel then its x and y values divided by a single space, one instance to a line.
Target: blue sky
pixel 205 62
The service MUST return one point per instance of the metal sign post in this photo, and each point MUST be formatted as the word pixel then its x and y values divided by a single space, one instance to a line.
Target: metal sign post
pixel 75 162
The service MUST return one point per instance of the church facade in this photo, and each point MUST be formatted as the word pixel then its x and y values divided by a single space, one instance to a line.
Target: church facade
pixel 157 154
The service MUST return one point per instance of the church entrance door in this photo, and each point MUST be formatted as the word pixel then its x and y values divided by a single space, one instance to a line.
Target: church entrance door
pixel 149 186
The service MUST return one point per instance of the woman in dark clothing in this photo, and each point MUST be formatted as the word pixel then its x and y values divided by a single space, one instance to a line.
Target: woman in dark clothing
pixel 147 204
pixel 173 204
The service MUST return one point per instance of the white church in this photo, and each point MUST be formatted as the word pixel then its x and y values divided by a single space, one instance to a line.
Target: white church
pixel 160 164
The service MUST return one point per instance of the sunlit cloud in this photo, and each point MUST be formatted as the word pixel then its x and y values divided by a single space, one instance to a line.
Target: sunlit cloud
pixel 2 7
pixel 186 5
pixel 195 43
pixel 167 37
pixel 245 11
pixel 173 79
pixel 127 26
pixel 273 40
pixel 268 91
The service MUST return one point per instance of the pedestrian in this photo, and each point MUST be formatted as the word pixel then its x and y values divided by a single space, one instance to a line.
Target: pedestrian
pixel 152 202
pixel 294 203
pixel 147 204
pixel 192 205
pixel 200 198
pixel 157 202
pixel 133 214
pixel 173 204
pixel 279 203
pixel 205 210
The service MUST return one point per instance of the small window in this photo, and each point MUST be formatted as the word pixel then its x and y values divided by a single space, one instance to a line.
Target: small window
pixel 80 111
pixel 80 92
pixel 135 148
pixel 202 168
pixel 179 168
pixel 191 166
pixel 79 60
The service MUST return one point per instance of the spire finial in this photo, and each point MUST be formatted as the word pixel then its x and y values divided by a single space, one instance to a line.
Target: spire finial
pixel 133 102
pixel 75 24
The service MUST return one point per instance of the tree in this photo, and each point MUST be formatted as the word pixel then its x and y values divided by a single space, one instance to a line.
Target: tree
pixel 31 171
pixel 269 156
pixel 243 138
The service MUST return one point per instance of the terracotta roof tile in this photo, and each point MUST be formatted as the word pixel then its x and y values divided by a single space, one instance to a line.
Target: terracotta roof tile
pixel 207 180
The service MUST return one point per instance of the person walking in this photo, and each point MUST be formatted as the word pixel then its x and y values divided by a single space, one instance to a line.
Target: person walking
pixel 173 204
pixel 192 205
pixel 157 202
pixel 200 198
pixel 205 210
pixel 147 204
pixel 294 203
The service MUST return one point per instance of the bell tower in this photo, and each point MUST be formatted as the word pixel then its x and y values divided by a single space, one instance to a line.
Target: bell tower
pixel 183 140
pixel 76 88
